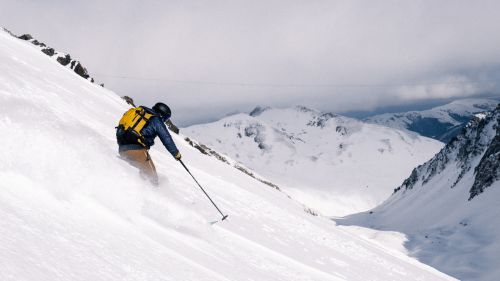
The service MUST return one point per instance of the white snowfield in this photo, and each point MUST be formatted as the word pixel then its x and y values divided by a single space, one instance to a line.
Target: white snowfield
pixel 334 164
pixel 70 209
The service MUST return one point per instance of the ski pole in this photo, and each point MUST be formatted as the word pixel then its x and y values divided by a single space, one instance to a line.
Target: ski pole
pixel 223 216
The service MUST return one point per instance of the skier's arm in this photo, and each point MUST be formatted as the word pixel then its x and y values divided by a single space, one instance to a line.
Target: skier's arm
pixel 165 137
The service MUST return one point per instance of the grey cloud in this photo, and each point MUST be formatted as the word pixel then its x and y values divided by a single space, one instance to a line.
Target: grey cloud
pixel 207 58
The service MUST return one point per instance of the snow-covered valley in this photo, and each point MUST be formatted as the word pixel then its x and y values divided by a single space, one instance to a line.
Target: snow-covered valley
pixel 448 208
pixel 70 209
pixel 334 164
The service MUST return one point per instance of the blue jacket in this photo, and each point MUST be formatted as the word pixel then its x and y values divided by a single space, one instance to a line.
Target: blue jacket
pixel 155 127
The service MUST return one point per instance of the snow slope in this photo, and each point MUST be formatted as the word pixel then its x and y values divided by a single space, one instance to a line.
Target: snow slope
pixel 448 207
pixel 334 164
pixel 62 58
pixel 71 210
pixel 441 123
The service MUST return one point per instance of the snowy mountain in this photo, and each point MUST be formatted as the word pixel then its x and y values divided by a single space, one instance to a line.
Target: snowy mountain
pixel 70 209
pixel 448 207
pixel 441 123
pixel 334 164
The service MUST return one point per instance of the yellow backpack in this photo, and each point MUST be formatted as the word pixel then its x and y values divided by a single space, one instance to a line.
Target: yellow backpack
pixel 130 126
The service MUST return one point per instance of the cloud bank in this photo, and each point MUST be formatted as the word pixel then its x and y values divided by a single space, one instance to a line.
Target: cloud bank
pixel 208 58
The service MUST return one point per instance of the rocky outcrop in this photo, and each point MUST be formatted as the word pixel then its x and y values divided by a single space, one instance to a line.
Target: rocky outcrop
pixel 49 51
pixel 321 120
pixel 62 58
pixel 258 110
pixel 128 100
pixel 488 170
pixel 479 139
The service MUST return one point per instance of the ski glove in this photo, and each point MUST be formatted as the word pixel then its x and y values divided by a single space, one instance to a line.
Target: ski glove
pixel 178 156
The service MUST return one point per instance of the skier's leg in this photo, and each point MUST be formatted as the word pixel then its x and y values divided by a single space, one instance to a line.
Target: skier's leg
pixel 150 170
pixel 140 159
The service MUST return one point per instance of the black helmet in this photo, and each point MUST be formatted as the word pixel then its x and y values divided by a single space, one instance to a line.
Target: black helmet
pixel 163 110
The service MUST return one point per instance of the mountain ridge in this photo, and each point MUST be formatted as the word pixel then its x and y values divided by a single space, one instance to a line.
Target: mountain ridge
pixel 64 59
pixel 441 122
pixel 447 207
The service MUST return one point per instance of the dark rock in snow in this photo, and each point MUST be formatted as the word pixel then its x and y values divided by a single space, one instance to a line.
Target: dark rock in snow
pixel 25 37
pixel 409 182
pixel 9 32
pixel 64 60
pixel 341 130
pixel 129 100
pixel 80 70
pixel 258 110
pixel 321 120
pixel 488 170
pixel 172 127
pixel 37 43
pixel 302 108
pixel 257 132
pixel 49 51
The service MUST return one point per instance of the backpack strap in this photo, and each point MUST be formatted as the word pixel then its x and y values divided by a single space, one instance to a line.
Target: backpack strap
pixel 141 116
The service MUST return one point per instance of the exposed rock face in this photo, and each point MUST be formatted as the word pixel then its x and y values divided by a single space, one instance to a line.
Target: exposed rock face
pixel 172 127
pixel 488 170
pixel 258 110
pixel 25 37
pixel 480 138
pixel 129 100
pixel 255 131
pixel 321 120
pixel 63 59
pixel 80 70
pixel 49 51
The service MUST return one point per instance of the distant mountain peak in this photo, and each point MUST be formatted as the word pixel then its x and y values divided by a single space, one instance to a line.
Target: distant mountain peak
pixel 441 122
pixel 302 108
pixel 258 110
pixel 322 119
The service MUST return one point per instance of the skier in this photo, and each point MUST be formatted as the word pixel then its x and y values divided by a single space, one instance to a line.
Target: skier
pixel 136 132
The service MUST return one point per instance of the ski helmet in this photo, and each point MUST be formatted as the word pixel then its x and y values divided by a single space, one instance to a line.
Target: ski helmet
pixel 163 110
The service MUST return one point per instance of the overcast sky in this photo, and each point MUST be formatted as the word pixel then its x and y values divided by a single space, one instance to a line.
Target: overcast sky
pixel 209 58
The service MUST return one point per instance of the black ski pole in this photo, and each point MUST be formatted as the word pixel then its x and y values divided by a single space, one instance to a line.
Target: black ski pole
pixel 223 216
